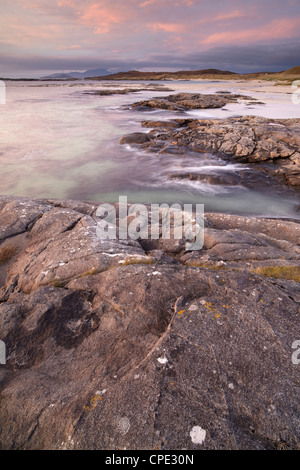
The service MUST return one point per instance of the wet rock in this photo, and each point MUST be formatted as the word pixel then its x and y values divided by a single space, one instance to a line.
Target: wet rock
pixel 160 124
pixel 272 145
pixel 249 178
pixel 126 91
pixel 184 101
pixel 222 179
pixel 109 92
pixel 135 138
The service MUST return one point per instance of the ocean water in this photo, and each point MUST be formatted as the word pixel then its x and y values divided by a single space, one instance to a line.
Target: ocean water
pixel 57 140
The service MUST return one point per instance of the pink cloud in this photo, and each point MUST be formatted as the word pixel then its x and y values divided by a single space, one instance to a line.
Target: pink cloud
pixel 168 3
pixel 16 31
pixel 69 48
pixel 168 27
pixel 147 3
pixel 100 15
pixel 277 29
pixel 143 28
pixel 189 3
pixel 68 3
pixel 230 16
pixel 101 18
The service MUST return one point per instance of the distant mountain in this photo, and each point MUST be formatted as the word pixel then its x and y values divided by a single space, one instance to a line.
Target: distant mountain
pixel 89 73
pixel 70 75
pixel 58 76
pixel 180 75
pixel 208 74
pixel 213 74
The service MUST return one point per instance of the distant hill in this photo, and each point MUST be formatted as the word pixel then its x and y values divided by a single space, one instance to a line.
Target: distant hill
pixel 294 71
pixel 180 75
pixel 70 75
pixel 287 76
pixel 209 74
pixel 57 76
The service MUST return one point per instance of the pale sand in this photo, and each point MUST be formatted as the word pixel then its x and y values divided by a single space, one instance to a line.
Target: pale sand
pixel 233 85
pixel 278 99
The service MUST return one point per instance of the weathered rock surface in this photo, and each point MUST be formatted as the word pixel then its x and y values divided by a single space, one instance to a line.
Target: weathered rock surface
pixel 126 91
pixel 131 344
pixel 184 101
pixel 272 145
pixel 135 138
pixel 248 178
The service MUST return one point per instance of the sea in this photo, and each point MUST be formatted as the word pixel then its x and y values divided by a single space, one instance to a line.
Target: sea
pixel 59 140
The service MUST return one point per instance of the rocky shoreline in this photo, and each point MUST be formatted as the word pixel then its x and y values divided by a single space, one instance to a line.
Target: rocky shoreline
pixel 271 146
pixel 136 343
pixel 127 90
pixel 143 344
pixel 186 101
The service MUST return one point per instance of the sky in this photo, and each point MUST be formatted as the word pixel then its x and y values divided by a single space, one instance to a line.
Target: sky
pixel 40 37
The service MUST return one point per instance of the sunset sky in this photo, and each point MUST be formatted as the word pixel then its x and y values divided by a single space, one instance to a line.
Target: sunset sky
pixel 39 37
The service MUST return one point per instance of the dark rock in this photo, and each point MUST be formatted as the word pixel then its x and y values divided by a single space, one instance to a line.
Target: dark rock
pixel 248 140
pixel 160 124
pixel 109 92
pixel 126 91
pixel 257 177
pixel 135 138
pixel 184 101
pixel 222 179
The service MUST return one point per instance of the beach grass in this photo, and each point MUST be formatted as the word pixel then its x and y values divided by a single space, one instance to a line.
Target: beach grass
pixel 282 272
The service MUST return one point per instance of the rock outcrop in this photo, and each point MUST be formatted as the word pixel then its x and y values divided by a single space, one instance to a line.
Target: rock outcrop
pixel 138 344
pixel 272 145
pixel 185 101
pixel 126 91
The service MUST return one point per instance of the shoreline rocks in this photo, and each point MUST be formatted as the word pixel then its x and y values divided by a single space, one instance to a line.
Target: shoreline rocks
pixel 154 346
pixel 185 101
pixel 126 91
pixel 271 147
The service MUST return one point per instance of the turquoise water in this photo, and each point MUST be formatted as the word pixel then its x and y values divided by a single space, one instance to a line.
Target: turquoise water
pixel 58 142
